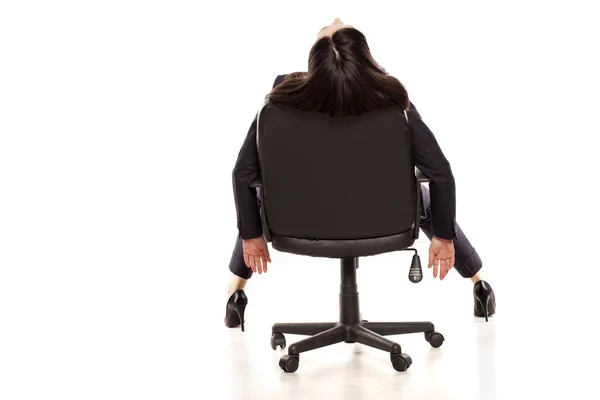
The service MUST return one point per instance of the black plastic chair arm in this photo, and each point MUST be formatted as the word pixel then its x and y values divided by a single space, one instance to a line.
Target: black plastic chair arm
pixel 421 177
pixel 257 184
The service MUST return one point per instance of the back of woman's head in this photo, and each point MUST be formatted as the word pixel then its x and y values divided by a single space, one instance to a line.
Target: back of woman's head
pixel 342 79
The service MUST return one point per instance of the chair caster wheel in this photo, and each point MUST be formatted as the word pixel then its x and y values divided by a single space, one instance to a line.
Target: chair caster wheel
pixel 277 339
pixel 401 361
pixel 289 363
pixel 435 339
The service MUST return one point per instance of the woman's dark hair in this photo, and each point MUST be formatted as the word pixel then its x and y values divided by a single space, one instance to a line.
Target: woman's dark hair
pixel 342 79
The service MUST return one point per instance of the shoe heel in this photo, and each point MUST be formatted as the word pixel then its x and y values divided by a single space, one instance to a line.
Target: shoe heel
pixel 240 312
pixel 486 306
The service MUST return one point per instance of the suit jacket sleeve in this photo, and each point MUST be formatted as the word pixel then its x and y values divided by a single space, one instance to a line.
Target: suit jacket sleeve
pixel 246 170
pixel 430 159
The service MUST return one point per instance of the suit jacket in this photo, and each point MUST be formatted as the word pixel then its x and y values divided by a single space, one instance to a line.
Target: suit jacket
pixel 428 156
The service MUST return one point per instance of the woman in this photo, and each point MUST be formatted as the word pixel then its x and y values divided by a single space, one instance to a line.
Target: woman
pixel 343 79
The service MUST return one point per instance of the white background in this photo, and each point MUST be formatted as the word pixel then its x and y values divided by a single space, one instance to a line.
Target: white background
pixel 120 122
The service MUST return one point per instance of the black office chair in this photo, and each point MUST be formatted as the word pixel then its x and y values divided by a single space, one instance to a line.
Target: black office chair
pixel 340 188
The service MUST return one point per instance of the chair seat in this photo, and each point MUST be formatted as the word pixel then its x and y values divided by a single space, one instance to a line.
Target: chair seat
pixel 343 248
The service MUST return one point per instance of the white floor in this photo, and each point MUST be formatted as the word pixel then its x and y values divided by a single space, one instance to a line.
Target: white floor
pixel 530 348
pixel 158 333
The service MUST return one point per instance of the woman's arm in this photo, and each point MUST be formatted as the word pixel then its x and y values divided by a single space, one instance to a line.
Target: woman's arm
pixel 245 171
pixel 430 159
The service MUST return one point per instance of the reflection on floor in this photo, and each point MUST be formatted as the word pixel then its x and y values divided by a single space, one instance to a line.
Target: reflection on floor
pixel 511 356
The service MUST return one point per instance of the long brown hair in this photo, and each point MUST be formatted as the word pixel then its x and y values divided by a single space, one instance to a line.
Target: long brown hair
pixel 342 79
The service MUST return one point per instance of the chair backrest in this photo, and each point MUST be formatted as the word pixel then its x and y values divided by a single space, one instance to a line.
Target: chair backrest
pixel 329 178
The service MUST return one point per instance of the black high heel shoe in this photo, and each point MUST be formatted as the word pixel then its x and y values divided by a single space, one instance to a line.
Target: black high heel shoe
pixel 234 313
pixel 485 300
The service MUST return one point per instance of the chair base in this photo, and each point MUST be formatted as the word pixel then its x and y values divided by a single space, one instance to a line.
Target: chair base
pixel 350 329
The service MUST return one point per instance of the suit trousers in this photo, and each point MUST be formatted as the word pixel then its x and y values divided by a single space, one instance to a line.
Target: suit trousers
pixel 467 261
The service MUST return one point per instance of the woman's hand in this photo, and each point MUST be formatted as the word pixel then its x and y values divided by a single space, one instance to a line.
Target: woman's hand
pixel 441 256
pixel 256 254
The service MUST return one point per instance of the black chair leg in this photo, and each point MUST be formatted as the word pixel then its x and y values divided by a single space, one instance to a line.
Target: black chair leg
pixel 399 328
pixel 309 328
pixel 369 338
pixel 331 336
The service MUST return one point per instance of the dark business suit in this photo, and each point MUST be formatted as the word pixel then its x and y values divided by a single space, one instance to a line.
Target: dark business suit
pixel 439 201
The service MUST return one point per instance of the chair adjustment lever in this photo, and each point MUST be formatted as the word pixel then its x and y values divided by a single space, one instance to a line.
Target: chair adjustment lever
pixel 415 273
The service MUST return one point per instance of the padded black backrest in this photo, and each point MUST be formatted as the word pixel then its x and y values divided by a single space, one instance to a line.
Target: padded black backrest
pixel 336 178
